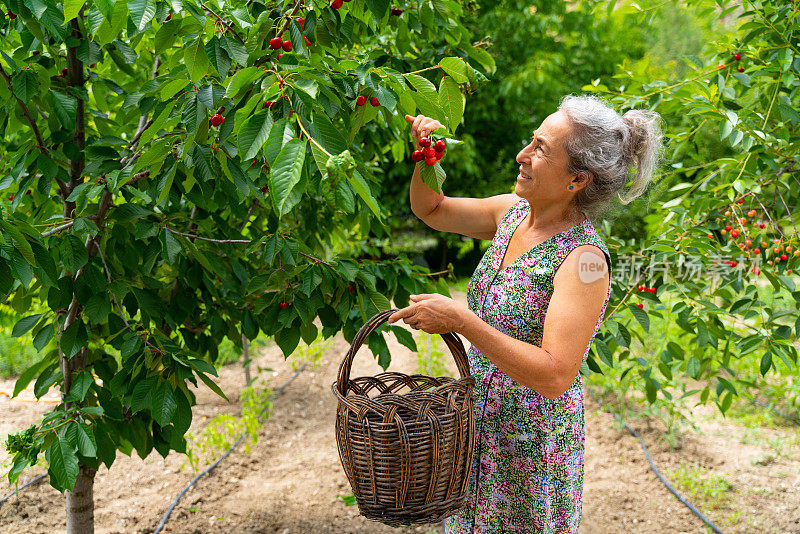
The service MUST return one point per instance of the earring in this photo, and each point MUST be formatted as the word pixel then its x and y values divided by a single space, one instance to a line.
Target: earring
pixel 570 187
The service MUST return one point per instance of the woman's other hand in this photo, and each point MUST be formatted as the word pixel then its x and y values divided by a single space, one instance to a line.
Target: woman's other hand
pixel 422 126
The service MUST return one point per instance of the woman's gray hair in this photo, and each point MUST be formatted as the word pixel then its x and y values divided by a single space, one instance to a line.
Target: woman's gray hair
pixel 610 146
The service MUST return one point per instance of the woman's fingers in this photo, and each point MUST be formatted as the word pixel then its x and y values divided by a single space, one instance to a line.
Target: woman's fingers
pixel 422 126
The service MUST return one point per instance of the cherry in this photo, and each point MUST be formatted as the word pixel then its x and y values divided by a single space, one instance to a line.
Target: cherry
pixel 361 100
pixel 439 155
pixel 336 4
pixel 28 192
pixel 429 152
pixel 764 244
pixel 721 66
pixel 797 252
pixel 757 250
pixel 284 304
pixel 735 233
pixel 279 57
pixel 733 263
pixel 737 57
pixel 743 220
pixel 776 240
pixel 740 201
pixel 216 119
pixel 351 289
pixel 11 15
pixel 168 17
pixel 35 52
pixel 397 11
pixel 308 43
pixel 784 257
pixel 430 162
pixel 440 145
pixel 287 46
pixel 740 69
pixel 302 23
pixel 64 71
pixel 728 228
pixel 789 248
pixel 752 213
pixel 424 141
pixel 11 197
pixel 275 43
pixel 727 214
pixel 417 155
pixel 640 305
pixel 640 287
pixel 268 104
pixel 651 290
pixel 374 101
pixel 748 243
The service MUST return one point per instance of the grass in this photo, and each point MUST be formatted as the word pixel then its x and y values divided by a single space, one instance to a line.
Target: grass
pixel 704 488
pixel 16 353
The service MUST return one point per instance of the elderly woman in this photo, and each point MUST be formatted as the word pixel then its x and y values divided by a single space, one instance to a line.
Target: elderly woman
pixel 535 303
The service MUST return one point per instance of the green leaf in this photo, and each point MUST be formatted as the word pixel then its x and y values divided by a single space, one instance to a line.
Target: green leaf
pixel 80 385
pixel 63 468
pixel 378 8
pixel 766 363
pixel 693 367
pixel 143 394
pixel 25 85
pixel 162 117
pixel 196 60
pixel 97 308
pixel 360 186
pixel 640 316
pixel 20 242
pixel 327 134
pixel 286 174
pixel 214 387
pixel 452 101
pixel 65 107
pixel 29 374
pixel 163 404
pixel 86 443
pixel 218 56
pixel 142 12
pixel 254 134
pixel 239 80
pixel 73 253
pixel 71 9
pixel 456 68
pixel 25 324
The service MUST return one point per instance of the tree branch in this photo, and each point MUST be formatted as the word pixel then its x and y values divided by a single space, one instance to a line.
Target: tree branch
pixel 27 114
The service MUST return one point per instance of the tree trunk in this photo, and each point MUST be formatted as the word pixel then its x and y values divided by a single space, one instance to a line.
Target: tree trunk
pixel 80 503
pixel 246 359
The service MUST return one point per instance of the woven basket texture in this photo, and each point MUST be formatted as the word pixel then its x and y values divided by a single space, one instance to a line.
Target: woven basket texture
pixel 407 454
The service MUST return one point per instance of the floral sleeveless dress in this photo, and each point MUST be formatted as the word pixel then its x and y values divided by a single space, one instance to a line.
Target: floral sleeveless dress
pixel 527 470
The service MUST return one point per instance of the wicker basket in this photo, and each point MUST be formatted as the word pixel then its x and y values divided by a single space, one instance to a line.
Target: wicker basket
pixel 407 455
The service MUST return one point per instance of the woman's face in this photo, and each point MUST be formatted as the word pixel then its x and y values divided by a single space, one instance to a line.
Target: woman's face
pixel 545 162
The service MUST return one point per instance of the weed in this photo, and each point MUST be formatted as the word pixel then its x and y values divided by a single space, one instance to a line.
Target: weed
pixel 709 490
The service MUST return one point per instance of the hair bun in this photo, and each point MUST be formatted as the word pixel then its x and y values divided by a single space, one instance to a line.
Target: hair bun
pixel 640 128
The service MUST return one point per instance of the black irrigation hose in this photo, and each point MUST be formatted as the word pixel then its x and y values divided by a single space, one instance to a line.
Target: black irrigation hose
pixel 215 464
pixel 35 480
pixel 658 474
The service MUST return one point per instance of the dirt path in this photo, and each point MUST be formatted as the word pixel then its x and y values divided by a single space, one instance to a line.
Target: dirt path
pixel 289 481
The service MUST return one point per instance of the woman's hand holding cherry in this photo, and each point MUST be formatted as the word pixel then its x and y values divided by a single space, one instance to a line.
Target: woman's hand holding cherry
pixel 430 151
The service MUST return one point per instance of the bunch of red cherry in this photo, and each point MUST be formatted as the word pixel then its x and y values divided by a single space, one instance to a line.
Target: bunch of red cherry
pixel 430 153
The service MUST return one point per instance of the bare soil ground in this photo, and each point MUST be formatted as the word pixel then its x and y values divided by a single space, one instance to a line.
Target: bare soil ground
pixel 290 480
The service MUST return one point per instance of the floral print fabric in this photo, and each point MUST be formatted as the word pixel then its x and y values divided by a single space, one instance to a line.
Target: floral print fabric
pixel 527 470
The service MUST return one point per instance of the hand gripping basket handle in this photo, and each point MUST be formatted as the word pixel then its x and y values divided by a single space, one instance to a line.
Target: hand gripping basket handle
pixel 451 339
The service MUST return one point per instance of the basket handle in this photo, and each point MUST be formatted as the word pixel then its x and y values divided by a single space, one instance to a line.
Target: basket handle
pixel 452 340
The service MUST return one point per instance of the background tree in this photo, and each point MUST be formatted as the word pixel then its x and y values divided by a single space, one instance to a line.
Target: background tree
pixel 181 172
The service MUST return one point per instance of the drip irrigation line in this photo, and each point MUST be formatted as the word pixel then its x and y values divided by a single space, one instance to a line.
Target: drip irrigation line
pixel 35 480
pixel 789 417
pixel 215 464
pixel 658 474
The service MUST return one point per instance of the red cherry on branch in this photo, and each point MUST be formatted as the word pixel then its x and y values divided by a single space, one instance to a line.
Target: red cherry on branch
pixel 361 100
pixel 737 57
pixel 35 52
pixel 216 119
pixel 429 152
pixel 396 11
pixel 762 225
pixel 784 257
pixel 740 69
pixel 168 17
pixel 640 287
pixel 424 141
pixel 302 23
pixel 439 155
pixel 351 289
pixel 287 46
pixel 651 290
pixel 640 305
pixel 336 4
pixel 417 156
pixel 733 263
pixel 440 145
pixel 374 101
pixel 740 201
pixel 728 227
pixel 11 15
pixel 757 250
pixel 735 233
pixel 268 104
pixel 308 43
pixel 284 304
pixel 275 43
pixel 431 161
